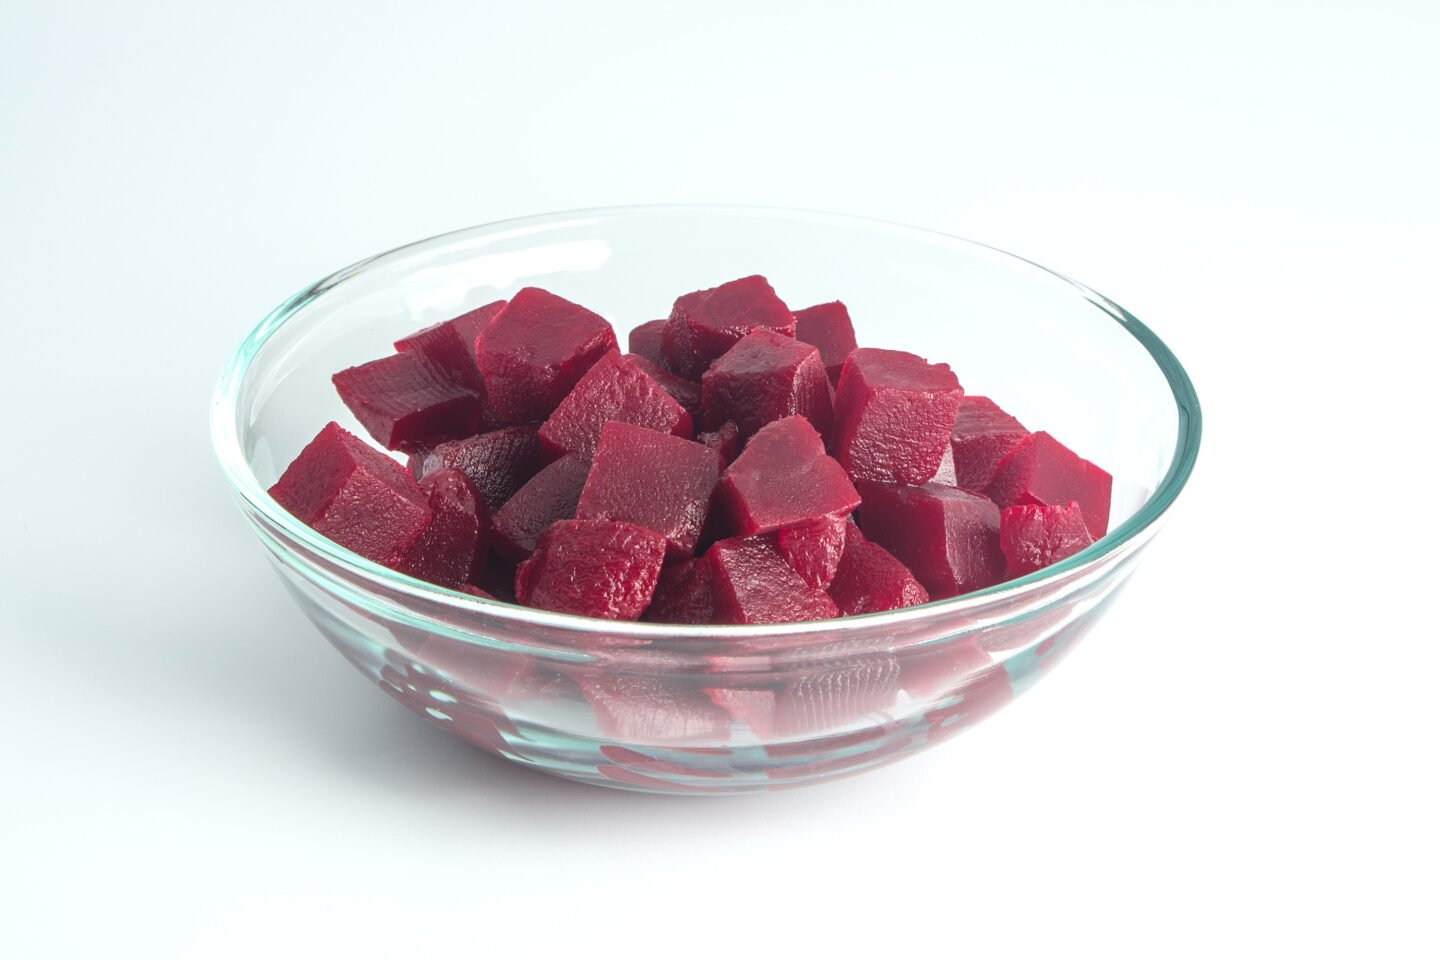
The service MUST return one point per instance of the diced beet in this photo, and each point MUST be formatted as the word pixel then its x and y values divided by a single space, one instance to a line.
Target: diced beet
pixel 706 323
pixel 724 440
pixel 894 413
pixel 614 389
pixel 593 568
pixel 454 543
pixel 451 345
pixel 813 549
pixel 783 479
pixel 646 341
pixel 948 538
pixel 754 584
pixel 549 496
pixel 764 377
pixel 652 479
pixel 869 579
pixel 982 435
pixel 827 326
pixel 1040 469
pixel 535 350
pixel 684 593
pixel 1033 536
pixel 685 392
pixel 355 495
pixel 652 710
pixel 497 463
pixel 408 403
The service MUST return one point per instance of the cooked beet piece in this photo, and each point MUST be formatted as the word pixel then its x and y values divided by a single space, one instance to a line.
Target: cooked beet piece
pixel 549 496
pixel 535 350
pixel 869 579
pixel 451 345
pixel 827 326
pixel 948 538
pixel 594 568
pixel 764 377
pixel 449 550
pixel 497 463
pixel 614 389
pixel 408 403
pixel 685 593
pixel 685 392
pixel 355 495
pixel 725 441
pixel 982 435
pixel 652 710
pixel 893 416
pixel 783 479
pixel 754 584
pixel 813 549
pixel 1040 469
pixel 1033 536
pixel 706 323
pixel 646 341
pixel 652 479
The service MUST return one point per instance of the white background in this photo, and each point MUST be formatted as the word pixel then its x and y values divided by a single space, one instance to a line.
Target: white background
pixel 1240 761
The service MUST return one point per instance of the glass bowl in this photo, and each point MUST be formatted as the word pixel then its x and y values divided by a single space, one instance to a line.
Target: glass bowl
pixel 717 709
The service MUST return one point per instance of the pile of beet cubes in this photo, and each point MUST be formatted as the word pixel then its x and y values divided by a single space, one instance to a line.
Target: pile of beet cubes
pixel 743 463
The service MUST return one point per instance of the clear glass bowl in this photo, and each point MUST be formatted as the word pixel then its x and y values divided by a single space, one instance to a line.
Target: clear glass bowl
pixel 637 705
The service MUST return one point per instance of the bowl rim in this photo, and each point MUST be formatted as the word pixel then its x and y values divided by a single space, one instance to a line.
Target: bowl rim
pixel 225 437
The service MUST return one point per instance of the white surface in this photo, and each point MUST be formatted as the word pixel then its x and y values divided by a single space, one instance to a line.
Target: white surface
pixel 1239 762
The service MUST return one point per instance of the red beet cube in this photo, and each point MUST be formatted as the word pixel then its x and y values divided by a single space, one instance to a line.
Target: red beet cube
pixel 685 593
pixel 1040 469
pixel 894 413
pixel 594 568
pixel 948 538
pixel 827 326
pixel 685 392
pixel 549 496
pixel 648 478
pixel 451 547
pixel 754 584
pixel 497 463
pixel 764 377
pixel 869 579
pixel 813 549
pixel 1033 536
pixel 451 345
pixel 408 403
pixel 646 341
pixel 355 495
pixel 783 479
pixel 535 350
pixel 724 440
pixel 706 323
pixel 982 435
pixel 614 389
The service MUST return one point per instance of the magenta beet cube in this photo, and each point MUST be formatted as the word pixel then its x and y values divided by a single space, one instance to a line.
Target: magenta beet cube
pixel 827 326
pixel 1033 536
pixel 451 345
pixel 766 376
pixel 614 389
pixel 783 478
pixel 355 495
pixel 753 584
pixel 652 479
pixel 813 549
pixel 1040 469
pixel 685 392
pixel 982 435
pixel 593 568
pixel 685 593
pixel 706 323
pixel 869 579
pixel 894 413
pixel 550 495
pixel 497 463
pixel 535 350
pixel 449 550
pixel 948 538
pixel 408 403
pixel 647 341
pixel 724 440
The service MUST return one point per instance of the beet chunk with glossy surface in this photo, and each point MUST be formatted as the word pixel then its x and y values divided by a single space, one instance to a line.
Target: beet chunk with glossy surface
pixel 593 568
pixel 685 392
pixel 646 341
pixel 535 350
pixel 753 584
pixel 869 579
pixel 706 323
pixel 685 593
pixel 408 403
pixel 766 376
pixel 614 389
pixel 451 344
pixel 1040 469
pixel 982 435
pixel 550 495
pixel 948 538
pixel 813 549
pixel 828 327
pixel 1033 536
pixel 894 413
pixel 453 546
pixel 497 463
pixel 783 478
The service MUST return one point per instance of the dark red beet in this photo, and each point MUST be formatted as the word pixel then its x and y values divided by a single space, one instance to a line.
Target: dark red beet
pixel 648 478
pixel 593 568
pixel 535 350
pixel 827 326
pixel 497 463
pixel 685 392
pixel 1040 469
pixel 646 340
pixel 549 496
pixel 706 323
pixel 652 710
pixel 1033 536
pixel 355 495
pixel 783 479
pixel 764 377
pixel 813 549
pixel 982 435
pixel 724 441
pixel 754 584
pixel 948 538
pixel 614 389
pixel 451 345
pixel 893 416
pixel 684 593
pixel 408 403
pixel 870 580
pixel 452 546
